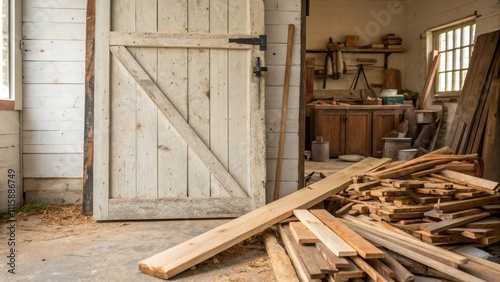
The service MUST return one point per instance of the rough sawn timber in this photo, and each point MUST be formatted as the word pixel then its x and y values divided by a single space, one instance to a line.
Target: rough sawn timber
pixel 191 252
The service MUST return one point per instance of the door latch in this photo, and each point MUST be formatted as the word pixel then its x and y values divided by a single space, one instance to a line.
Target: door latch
pixel 258 69
pixel 261 41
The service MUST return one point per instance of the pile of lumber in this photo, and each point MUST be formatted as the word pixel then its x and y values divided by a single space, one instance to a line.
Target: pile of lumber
pixel 475 127
pixel 322 246
pixel 437 204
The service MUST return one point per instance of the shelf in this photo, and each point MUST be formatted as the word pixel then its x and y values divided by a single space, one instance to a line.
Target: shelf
pixel 386 52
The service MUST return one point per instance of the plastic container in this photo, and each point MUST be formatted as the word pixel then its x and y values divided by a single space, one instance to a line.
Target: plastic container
pixel 393 100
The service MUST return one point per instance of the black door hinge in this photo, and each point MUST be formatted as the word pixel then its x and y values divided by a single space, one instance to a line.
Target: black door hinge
pixel 261 41
pixel 258 69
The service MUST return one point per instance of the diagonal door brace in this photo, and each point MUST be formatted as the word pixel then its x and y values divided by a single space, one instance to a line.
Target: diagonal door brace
pixel 175 118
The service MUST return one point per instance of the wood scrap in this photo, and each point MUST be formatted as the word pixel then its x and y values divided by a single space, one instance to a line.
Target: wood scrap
pixel 401 274
pixel 467 204
pixel 370 271
pixel 353 271
pixel 450 223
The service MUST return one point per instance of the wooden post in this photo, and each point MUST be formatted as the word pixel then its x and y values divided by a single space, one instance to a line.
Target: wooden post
pixel 284 109
pixel 88 169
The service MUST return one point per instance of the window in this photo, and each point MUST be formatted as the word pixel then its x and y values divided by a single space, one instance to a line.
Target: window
pixel 4 52
pixel 455 44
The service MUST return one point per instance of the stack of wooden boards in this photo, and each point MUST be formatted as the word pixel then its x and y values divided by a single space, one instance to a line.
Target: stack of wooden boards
pixel 437 205
pixel 475 126
pixel 322 246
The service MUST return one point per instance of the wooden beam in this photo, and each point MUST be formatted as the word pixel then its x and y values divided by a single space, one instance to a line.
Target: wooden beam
pixel 185 255
pixel 178 122
pixel 282 266
pixel 429 81
pixel 88 155
pixel 176 40
pixel 338 246
pixel 284 110
pixel 400 272
pixel 364 248
pixel 368 269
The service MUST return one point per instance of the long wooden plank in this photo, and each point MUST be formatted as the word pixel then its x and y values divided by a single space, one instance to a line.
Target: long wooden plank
pixel 419 258
pixel 447 224
pixel 430 81
pixel 164 105
pixel 364 248
pixel 175 40
pixel 480 184
pixel 467 204
pixel 339 263
pixel 185 255
pixel 409 242
pixel 102 111
pixel 330 239
pixel 284 110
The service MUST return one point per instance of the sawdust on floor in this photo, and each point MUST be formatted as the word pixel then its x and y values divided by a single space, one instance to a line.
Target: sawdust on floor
pixel 63 221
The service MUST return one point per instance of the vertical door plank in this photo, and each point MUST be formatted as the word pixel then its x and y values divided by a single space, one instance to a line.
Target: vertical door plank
pixel 123 116
pixel 198 97
pixel 257 188
pixel 102 111
pixel 239 106
pixel 146 110
pixel 172 80
pixel 219 93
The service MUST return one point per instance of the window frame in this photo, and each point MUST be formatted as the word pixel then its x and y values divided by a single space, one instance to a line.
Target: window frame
pixel 15 58
pixel 433 44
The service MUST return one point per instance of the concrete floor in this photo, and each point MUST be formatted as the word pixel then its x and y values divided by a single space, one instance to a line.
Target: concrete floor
pixel 111 251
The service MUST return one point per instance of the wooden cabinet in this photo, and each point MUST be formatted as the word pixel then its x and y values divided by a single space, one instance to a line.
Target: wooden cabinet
pixel 355 129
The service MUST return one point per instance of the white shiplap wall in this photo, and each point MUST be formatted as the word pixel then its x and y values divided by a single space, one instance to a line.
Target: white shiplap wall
pixel 9 156
pixel 53 94
pixel 279 14
pixel 368 19
pixel 422 15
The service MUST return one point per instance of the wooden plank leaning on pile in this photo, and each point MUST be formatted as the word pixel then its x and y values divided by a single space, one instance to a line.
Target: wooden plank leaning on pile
pixel 187 254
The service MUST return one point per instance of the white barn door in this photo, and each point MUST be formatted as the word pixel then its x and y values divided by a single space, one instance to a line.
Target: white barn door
pixel 179 113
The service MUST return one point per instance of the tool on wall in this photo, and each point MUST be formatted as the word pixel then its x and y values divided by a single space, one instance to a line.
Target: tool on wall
pixel 334 64
pixel 361 71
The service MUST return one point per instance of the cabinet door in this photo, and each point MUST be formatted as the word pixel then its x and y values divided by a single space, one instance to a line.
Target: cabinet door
pixel 383 122
pixel 334 132
pixel 358 132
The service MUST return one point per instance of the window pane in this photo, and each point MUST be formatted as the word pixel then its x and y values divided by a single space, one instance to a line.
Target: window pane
pixel 458 58
pixel 456 81
pixel 449 80
pixel 449 39
pixel 442 62
pixel 4 51
pixel 473 33
pixel 458 37
pixel 442 42
pixel 466 37
pixel 465 57
pixel 442 82
pixel 449 60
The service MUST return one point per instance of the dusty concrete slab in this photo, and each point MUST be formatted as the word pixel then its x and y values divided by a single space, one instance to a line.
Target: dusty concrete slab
pixel 110 252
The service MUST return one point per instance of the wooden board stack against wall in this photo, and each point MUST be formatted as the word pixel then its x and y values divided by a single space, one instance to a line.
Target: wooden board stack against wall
pixel 53 106
pixel 279 14
pixel 9 156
